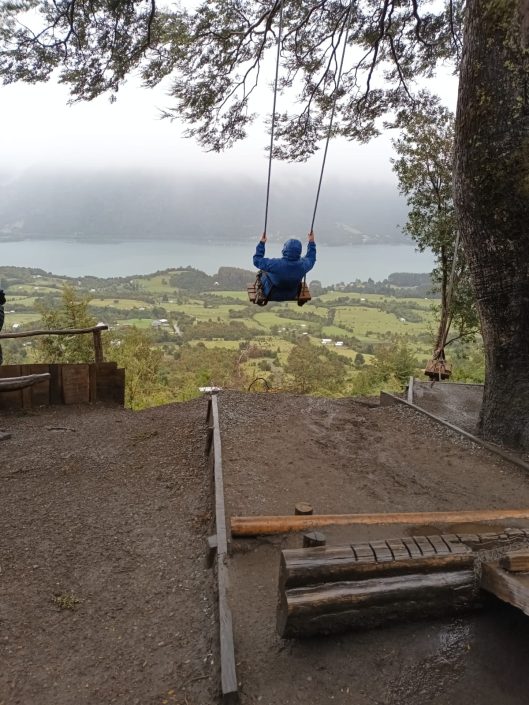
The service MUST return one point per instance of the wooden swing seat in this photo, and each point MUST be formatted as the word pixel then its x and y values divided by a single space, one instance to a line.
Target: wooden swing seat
pixel 438 369
pixel 302 297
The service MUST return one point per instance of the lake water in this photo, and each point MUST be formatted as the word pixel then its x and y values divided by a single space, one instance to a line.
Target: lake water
pixel 334 264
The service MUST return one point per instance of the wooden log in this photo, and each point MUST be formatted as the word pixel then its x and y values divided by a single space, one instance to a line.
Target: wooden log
pixel 302 567
pixel 515 562
pixel 314 538
pixel 11 384
pixel 334 607
pixel 60 331
pixel 267 525
pixel 303 509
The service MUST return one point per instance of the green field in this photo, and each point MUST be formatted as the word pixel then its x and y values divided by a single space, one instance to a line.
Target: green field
pixel 250 341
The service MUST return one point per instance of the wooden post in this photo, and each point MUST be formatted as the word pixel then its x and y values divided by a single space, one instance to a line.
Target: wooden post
pixel 313 538
pixel 98 347
pixel 303 509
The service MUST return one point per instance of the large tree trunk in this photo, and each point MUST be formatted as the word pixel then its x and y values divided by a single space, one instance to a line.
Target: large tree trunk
pixel 491 180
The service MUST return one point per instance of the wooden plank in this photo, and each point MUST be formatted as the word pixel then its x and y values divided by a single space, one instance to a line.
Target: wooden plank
pixel 75 384
pixel 267 525
pixel 228 671
pixel 415 551
pixel 381 551
pixel 220 511
pixel 425 546
pixel 109 383
pixel 398 549
pixel 388 399
pixel 512 588
pixel 515 562
pixel 10 401
pixel 40 392
pixel 55 384
pixel 441 548
pixel 363 552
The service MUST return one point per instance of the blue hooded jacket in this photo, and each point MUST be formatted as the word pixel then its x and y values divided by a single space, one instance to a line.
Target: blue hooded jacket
pixel 282 276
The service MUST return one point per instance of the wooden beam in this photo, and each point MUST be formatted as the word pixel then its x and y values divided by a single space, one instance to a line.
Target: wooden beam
pixel 228 672
pixel 61 331
pixel 508 587
pixel 515 562
pixel 388 399
pixel 266 525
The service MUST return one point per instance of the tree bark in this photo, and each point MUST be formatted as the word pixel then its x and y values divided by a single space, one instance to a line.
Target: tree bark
pixel 491 183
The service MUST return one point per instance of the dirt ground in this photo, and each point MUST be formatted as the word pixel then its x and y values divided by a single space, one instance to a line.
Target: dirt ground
pixel 112 508
pixel 342 456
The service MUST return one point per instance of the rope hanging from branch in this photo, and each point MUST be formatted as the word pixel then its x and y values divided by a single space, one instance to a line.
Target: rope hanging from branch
pixel 329 132
pixel 279 38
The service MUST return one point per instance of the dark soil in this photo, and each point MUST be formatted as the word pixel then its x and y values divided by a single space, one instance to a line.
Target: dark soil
pixel 111 508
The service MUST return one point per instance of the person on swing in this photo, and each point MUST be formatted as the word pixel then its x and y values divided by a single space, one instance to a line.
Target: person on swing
pixel 279 278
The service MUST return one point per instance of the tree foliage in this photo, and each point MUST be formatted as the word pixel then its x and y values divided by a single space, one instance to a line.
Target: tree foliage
pixel 315 369
pixel 215 56
pixel 135 351
pixel 71 313
pixel 424 167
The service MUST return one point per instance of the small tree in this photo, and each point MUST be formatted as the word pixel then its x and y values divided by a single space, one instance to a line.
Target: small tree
pixel 134 350
pixel 315 370
pixel 71 313
pixel 424 168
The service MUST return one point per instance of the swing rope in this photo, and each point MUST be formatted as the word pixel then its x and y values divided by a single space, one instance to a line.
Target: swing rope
pixel 279 37
pixel 338 79
pixel 449 294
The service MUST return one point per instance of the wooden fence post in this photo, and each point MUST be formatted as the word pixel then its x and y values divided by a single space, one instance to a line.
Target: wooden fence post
pixel 98 347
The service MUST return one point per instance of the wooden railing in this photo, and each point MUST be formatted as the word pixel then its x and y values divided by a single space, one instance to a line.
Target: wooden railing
pixel 95 330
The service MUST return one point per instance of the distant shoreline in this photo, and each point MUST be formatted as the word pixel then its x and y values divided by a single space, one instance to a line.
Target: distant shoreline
pixel 209 242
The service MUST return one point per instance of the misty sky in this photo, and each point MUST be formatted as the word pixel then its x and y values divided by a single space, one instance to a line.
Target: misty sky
pixel 39 130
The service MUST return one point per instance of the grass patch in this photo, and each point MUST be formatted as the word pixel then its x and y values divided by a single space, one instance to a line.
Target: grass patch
pixel 67 601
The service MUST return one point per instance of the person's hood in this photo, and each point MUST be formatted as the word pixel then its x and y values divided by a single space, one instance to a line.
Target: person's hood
pixel 292 249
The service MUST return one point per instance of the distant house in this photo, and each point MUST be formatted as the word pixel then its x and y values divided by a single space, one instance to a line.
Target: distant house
pixel 326 341
pixel 338 344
